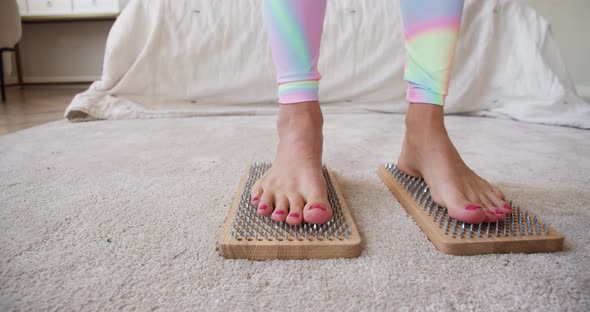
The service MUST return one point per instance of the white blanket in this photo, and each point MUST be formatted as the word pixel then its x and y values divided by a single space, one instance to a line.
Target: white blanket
pixel 174 58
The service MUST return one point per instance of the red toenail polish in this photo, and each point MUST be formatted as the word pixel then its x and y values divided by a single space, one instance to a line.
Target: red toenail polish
pixel 262 207
pixel 294 215
pixel 472 207
pixel 498 212
pixel 317 207
pixel 255 199
pixel 490 212
pixel 507 207
pixel 279 212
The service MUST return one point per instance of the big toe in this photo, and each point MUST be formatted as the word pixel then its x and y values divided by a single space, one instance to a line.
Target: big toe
pixel 317 212
pixel 467 212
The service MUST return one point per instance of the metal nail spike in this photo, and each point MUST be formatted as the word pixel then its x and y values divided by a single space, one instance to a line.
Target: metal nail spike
pixel 497 226
pixel 488 230
pixel 447 225
pixel 479 230
pixel 536 223
pixel 504 228
pixel 429 209
pixel 413 185
pixel 426 202
pixel 418 190
pixel 417 187
pixel 546 228
pixel 454 227
pixel 520 229
pixel 470 230
pixel 435 214
pixel 462 230
pixel 528 223
pixel 421 190
pixel 442 216
pixel 511 225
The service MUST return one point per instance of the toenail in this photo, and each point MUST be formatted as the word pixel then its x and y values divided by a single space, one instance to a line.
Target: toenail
pixel 507 207
pixel 255 199
pixel 317 207
pixel 294 215
pixel 472 207
pixel 490 212
pixel 498 212
pixel 262 207
pixel 279 212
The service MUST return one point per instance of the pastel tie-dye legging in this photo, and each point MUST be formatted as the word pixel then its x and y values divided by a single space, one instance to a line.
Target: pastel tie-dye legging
pixel 431 29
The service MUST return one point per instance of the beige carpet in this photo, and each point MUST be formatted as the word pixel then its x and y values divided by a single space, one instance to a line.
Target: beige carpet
pixel 125 215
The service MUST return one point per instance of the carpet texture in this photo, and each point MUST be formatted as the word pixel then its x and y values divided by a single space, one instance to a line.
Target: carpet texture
pixel 125 215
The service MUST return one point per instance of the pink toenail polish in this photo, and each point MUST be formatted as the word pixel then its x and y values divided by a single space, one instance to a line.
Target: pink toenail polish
pixel 507 207
pixel 490 212
pixel 317 207
pixel 279 212
pixel 294 215
pixel 262 207
pixel 255 199
pixel 498 212
pixel 472 207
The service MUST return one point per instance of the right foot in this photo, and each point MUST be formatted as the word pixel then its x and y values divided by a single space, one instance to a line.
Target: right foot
pixel 294 189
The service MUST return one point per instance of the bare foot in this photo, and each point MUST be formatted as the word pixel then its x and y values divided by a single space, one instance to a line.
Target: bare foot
pixel 294 189
pixel 429 153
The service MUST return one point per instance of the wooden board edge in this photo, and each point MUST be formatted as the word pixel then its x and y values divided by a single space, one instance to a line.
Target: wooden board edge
pixel 345 208
pixel 223 242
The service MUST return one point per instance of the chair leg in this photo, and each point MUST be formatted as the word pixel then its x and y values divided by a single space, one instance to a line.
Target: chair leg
pixel 19 67
pixel 2 84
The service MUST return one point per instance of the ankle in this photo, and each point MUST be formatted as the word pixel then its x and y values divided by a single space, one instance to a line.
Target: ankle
pixel 301 118
pixel 424 121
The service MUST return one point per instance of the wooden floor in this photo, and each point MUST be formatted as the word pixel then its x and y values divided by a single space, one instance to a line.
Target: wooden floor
pixel 35 105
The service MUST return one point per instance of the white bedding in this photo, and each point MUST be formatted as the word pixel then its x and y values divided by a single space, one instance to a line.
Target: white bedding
pixel 175 58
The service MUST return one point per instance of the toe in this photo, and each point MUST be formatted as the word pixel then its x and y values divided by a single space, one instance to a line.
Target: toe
pixel 491 216
pixel 295 215
pixel 490 208
pixel 317 211
pixel 281 209
pixel 501 207
pixel 500 214
pixel 266 204
pixel 256 193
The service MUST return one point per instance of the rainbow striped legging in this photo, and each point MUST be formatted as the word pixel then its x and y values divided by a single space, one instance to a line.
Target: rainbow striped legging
pixel 431 29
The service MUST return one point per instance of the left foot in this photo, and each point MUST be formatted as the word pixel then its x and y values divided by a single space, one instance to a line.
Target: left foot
pixel 428 152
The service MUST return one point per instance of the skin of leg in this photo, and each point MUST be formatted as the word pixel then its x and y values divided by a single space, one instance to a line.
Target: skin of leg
pixel 431 29
pixel 294 189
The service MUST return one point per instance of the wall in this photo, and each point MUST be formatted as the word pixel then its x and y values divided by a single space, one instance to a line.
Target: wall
pixel 570 24
pixel 74 52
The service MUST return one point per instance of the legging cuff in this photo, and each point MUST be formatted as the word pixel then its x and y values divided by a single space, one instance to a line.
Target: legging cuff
pixel 298 91
pixel 418 94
